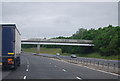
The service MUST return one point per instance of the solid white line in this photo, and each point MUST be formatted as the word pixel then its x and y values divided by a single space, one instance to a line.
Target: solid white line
pixel 90 68
pixel 26 69
pixel 93 69
pixel 24 77
pixel 79 78
pixel 63 70
pixel 103 71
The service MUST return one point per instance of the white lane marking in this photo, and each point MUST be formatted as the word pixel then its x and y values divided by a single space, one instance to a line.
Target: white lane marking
pixel 24 77
pixel 88 67
pixel 50 63
pixel 26 69
pixel 64 70
pixel 102 71
pixel 79 78
pixel 92 68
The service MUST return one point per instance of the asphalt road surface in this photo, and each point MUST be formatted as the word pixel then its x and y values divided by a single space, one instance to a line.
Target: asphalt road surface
pixel 113 63
pixel 37 67
pixel 0 72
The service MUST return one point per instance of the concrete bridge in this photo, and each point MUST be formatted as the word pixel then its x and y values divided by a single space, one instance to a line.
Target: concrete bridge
pixel 73 42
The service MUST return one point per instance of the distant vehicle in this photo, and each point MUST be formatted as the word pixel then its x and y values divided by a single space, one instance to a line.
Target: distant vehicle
pixel 73 56
pixel 10 46
pixel 58 54
pixel 34 53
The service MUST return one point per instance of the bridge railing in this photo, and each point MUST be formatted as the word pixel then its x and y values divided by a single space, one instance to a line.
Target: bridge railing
pixel 60 40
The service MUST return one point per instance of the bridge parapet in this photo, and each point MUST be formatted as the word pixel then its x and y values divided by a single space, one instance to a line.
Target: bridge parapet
pixel 60 41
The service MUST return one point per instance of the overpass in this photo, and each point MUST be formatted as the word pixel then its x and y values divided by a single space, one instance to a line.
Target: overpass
pixel 73 42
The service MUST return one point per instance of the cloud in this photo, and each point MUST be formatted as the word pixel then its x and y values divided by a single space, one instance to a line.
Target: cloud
pixel 44 19
pixel 60 0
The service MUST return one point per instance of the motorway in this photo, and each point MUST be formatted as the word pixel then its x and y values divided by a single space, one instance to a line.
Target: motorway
pixel 38 67
pixel 113 63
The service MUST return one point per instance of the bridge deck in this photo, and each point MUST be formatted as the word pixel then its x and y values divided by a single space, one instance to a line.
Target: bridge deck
pixel 59 42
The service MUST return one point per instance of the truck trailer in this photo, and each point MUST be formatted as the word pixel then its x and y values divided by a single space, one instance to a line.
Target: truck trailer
pixel 10 46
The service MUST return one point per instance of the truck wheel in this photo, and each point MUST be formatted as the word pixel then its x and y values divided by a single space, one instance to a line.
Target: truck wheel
pixel 18 63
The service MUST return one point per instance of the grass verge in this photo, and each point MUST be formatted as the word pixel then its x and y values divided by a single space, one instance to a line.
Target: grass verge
pixel 43 50
pixel 95 55
pixel 58 50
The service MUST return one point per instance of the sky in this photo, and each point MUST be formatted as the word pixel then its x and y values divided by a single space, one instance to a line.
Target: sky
pixel 53 19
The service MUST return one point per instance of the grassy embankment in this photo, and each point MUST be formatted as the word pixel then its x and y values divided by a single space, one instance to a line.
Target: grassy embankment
pixel 58 50
pixel 43 50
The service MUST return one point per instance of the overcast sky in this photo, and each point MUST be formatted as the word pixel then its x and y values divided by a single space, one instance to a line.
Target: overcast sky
pixel 52 19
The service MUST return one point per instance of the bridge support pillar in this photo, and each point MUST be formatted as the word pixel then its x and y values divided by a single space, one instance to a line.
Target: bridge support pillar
pixel 38 48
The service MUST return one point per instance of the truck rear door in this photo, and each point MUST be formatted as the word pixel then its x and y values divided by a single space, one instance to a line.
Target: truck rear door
pixel 8 43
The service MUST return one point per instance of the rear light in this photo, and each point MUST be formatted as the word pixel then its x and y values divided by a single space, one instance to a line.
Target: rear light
pixel 10 61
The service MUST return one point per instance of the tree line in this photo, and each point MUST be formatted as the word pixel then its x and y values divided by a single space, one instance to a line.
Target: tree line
pixel 105 39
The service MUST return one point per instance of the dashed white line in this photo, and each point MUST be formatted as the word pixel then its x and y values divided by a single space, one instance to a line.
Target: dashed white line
pixel 26 69
pixel 103 71
pixel 92 68
pixel 55 66
pixel 64 70
pixel 79 78
pixel 24 77
pixel 50 63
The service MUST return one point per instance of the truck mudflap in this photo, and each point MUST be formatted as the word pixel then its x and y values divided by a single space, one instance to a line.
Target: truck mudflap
pixel 6 66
